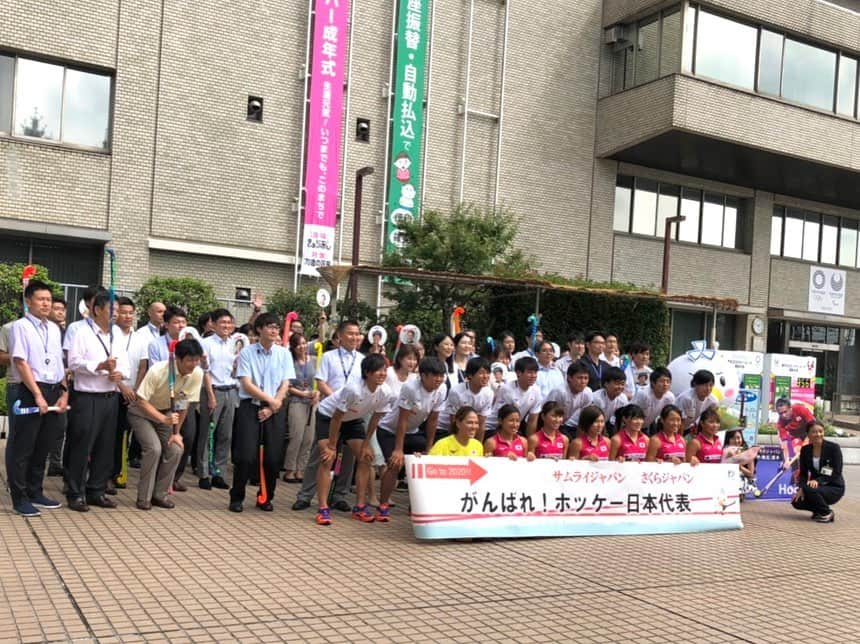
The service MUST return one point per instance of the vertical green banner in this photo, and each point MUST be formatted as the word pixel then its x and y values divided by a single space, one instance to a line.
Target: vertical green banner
pixel 407 120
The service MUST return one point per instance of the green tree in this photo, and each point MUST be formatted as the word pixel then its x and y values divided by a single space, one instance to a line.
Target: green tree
pixel 11 292
pixel 468 241
pixel 33 125
pixel 195 296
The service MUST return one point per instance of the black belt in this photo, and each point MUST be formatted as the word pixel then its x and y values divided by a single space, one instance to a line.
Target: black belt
pixel 225 387
pixel 96 394
pixel 50 386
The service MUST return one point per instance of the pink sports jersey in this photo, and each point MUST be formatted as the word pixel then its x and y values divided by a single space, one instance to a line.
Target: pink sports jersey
pixel 633 450
pixel 550 447
pixel 669 449
pixel 601 450
pixel 504 448
pixel 711 451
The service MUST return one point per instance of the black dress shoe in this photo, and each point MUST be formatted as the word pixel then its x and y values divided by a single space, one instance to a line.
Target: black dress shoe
pixel 342 506
pixel 301 505
pixel 266 507
pixel 167 504
pixel 220 483
pixel 78 505
pixel 102 502
pixel 110 488
pixel 235 506
pixel 144 505
pixel 204 484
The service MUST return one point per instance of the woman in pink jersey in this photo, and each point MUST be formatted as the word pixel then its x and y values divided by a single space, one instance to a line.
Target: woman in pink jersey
pixel 591 444
pixel 630 443
pixel 668 445
pixel 507 442
pixel 548 441
pixel 706 446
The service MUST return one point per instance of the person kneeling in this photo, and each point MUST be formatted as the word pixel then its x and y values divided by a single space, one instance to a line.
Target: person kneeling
pixel 156 425
pixel 462 442
pixel 820 475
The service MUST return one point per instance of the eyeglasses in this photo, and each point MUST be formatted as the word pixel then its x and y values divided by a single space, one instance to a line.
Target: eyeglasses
pixel 273 327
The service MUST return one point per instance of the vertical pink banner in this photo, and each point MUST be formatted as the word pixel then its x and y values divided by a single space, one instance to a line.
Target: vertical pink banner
pixel 328 55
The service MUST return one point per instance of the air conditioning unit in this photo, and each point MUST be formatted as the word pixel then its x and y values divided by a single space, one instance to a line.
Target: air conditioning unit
pixel 615 34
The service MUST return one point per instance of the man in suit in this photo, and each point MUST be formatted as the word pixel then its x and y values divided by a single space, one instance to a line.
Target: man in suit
pixel 821 483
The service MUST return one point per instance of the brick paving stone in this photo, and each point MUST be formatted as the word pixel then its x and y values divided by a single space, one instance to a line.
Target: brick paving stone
pixel 196 574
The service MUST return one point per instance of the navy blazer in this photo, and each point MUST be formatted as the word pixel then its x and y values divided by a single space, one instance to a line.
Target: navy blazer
pixel 831 456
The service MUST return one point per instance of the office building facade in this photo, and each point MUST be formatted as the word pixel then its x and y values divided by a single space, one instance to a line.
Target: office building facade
pixel 134 124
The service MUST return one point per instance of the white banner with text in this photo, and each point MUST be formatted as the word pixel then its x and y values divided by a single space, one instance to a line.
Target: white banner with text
pixel 456 497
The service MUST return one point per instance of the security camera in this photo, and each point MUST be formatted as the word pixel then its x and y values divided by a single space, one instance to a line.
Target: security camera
pixel 255 104
pixel 363 126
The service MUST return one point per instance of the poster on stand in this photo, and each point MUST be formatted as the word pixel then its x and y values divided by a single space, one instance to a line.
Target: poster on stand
pixel 749 366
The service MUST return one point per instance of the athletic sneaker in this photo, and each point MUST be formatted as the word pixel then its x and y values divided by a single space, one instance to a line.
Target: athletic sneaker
pixel 382 513
pixel 45 503
pixel 825 518
pixel 363 513
pixel 324 516
pixel 26 509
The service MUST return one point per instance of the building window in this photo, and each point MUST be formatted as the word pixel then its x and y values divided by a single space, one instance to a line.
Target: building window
pixel 691 207
pixel 649 49
pixel 38 99
pixel 670 46
pixel 725 50
pixel 667 206
pixel 643 205
pixel 770 63
pixel 730 51
pixel 847 89
pixel 54 103
pixel 623 203
pixel 7 83
pixel 848 243
pixel 814 237
pixel 808 75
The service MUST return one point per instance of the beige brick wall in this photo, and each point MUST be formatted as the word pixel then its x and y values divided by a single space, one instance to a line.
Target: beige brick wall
pixel 133 139
pixel 214 170
pixel 47 183
pixel 82 31
pixel 693 270
pixel 789 287
pixel 223 273
pixel 769 124
pixel 185 164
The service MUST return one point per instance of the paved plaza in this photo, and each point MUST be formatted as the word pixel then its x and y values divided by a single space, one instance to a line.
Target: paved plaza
pixel 199 573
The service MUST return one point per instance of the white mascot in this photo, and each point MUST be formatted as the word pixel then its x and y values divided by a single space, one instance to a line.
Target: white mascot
pixel 726 384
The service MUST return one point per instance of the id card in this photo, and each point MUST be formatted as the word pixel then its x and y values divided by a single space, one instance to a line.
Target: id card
pixel 827 471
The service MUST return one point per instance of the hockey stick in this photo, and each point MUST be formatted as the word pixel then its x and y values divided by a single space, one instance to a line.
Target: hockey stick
pixel 26 275
pixel 262 497
pixel 18 410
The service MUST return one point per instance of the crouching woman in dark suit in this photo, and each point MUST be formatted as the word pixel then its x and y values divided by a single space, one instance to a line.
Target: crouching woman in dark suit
pixel 820 475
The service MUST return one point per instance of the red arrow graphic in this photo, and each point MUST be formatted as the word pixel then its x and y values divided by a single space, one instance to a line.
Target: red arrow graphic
pixel 472 471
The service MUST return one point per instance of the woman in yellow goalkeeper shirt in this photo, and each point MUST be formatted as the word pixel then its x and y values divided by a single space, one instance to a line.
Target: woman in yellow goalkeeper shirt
pixel 461 442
